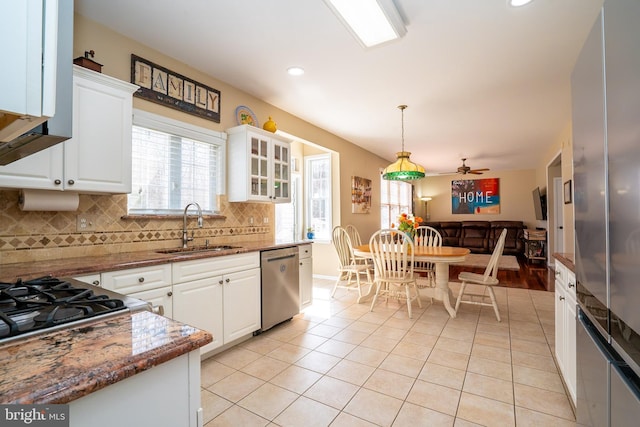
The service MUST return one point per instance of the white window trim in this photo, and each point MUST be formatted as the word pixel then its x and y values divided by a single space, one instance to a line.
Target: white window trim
pixel 164 124
pixel 307 189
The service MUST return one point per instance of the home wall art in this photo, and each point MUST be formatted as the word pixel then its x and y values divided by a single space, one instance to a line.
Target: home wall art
pixel 173 90
pixel 475 196
pixel 360 195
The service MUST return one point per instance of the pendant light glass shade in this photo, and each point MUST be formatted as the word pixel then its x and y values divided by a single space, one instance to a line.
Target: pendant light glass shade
pixel 403 169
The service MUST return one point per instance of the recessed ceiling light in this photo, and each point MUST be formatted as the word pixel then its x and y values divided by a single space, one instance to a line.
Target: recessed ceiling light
pixel 295 71
pixel 518 3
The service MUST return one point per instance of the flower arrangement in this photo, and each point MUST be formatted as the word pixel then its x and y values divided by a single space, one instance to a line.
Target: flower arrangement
pixel 408 223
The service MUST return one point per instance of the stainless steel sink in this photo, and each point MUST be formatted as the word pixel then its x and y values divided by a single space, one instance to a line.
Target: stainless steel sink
pixel 192 249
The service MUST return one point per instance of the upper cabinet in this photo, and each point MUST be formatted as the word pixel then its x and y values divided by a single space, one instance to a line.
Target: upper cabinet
pixel 97 159
pixel 259 166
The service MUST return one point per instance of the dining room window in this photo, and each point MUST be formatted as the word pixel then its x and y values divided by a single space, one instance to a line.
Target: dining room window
pixel 173 164
pixel 395 199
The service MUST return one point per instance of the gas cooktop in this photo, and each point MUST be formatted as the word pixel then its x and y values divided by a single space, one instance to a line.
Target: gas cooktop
pixel 45 303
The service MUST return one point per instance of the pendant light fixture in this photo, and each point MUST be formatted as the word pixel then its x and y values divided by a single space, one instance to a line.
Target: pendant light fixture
pixel 403 169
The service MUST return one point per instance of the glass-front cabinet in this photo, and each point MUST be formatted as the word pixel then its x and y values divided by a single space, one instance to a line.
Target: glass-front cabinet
pixel 259 166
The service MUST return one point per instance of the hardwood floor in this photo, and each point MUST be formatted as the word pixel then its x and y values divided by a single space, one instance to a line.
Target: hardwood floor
pixel 535 276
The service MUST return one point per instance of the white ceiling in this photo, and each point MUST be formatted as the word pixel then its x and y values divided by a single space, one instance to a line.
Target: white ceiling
pixel 481 79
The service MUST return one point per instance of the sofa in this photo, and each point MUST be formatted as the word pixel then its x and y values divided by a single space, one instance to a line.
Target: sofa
pixel 481 236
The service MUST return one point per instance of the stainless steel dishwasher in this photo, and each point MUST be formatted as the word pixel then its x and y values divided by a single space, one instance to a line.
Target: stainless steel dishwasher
pixel 280 285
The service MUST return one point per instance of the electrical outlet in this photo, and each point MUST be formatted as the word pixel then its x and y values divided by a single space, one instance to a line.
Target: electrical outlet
pixel 265 220
pixel 251 220
pixel 85 222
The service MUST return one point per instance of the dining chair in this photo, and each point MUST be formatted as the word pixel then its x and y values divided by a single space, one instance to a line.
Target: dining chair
pixel 392 253
pixel 349 271
pixel 356 241
pixel 426 236
pixel 489 279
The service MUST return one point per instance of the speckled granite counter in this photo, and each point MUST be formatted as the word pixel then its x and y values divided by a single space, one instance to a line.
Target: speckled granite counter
pixel 64 365
pixel 567 259
pixel 70 267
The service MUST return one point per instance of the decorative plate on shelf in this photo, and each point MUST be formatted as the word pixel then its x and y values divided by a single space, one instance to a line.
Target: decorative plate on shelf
pixel 244 116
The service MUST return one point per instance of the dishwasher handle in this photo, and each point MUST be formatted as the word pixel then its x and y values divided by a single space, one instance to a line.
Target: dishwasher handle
pixel 281 257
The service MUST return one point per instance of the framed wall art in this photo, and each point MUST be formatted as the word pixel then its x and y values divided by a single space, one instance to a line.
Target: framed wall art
pixel 163 86
pixel 567 192
pixel 475 196
pixel 360 195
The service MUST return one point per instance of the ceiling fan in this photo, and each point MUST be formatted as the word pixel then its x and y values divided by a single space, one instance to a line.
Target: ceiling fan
pixel 464 169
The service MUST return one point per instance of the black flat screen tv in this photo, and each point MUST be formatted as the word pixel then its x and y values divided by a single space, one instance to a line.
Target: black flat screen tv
pixel 540 204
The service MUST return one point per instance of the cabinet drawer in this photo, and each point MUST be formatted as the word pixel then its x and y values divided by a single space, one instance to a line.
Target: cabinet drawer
pixel 561 273
pixel 304 251
pixel 92 279
pixel 137 279
pixel 207 267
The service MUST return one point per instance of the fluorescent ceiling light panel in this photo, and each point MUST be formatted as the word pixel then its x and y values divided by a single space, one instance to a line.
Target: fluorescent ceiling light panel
pixel 372 22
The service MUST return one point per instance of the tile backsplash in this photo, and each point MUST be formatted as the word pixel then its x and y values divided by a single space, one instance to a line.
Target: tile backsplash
pixel 33 236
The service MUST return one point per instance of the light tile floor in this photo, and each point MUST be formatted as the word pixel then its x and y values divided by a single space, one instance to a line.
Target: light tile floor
pixel 339 364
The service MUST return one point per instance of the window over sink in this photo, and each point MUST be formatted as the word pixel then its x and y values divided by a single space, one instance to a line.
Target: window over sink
pixel 174 163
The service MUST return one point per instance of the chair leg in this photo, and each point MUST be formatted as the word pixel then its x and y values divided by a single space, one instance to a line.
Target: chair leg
pixel 462 286
pixel 408 292
pixel 375 296
pixel 493 302
pixel 415 288
pixel 335 287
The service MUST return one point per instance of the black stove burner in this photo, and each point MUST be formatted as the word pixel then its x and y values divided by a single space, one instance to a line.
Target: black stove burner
pixel 47 302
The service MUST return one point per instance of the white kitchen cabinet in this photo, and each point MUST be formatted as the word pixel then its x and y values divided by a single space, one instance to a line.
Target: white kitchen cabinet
pixel 305 275
pixel 97 159
pixel 166 395
pixel 565 326
pixel 139 279
pixel 260 164
pixel 92 279
pixel 220 295
pixel 161 299
pixel 199 303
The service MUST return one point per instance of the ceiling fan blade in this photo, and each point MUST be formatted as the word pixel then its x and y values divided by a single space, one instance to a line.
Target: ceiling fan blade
pixel 480 170
pixel 447 173
pixel 475 172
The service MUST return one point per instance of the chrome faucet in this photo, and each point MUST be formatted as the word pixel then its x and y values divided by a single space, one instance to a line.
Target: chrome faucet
pixel 185 237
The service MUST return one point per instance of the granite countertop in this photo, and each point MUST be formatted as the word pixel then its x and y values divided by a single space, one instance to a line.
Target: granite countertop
pixel 567 259
pixel 64 365
pixel 70 267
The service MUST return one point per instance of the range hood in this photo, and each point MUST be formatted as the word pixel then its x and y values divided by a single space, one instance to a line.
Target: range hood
pixel 22 134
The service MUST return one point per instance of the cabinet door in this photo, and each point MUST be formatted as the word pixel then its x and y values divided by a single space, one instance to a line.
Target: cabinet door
pixel 259 163
pixel 162 297
pixel 560 307
pixel 42 170
pixel 570 368
pixel 306 282
pixel 199 304
pixel 242 312
pixel 281 183
pixel 98 156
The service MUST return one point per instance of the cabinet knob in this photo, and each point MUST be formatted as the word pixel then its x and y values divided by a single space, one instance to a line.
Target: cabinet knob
pixel 571 285
pixel 220 282
pixel 561 298
pixel 71 182
pixel 557 273
pixel 227 280
pixel 169 294
pixel 96 283
pixel 140 279
pixel 57 182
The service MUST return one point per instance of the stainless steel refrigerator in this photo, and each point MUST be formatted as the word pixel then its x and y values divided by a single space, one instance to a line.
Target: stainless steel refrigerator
pixel 606 151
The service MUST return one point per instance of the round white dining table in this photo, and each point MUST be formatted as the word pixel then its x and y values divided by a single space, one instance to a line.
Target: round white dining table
pixel 441 256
